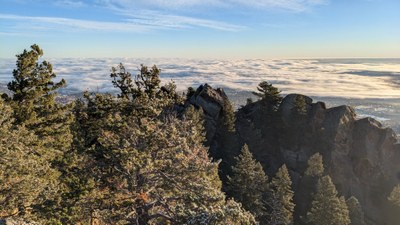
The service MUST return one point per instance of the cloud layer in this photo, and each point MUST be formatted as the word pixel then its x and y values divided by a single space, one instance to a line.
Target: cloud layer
pixel 378 79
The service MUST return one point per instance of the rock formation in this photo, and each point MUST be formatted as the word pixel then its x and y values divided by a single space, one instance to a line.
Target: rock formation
pixel 361 156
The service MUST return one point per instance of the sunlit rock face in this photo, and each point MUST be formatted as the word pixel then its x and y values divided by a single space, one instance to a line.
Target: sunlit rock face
pixel 361 156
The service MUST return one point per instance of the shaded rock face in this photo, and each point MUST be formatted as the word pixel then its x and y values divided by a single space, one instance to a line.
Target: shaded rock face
pixel 361 156
pixel 213 102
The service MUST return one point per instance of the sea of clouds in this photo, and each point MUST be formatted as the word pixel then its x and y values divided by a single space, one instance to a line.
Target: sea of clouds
pixel 355 78
pixel 372 86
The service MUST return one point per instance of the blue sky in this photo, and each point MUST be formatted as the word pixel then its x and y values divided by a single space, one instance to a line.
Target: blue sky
pixel 202 28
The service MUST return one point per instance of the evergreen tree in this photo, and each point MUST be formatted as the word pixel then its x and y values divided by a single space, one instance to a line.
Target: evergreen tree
pixel 131 161
pixel 225 145
pixel 150 167
pixel 300 107
pixel 355 211
pixel 308 185
pixel 394 196
pixel 269 119
pixel 281 198
pixel 34 103
pixel 315 166
pixel 35 109
pixel 122 80
pixel 228 117
pixel 27 179
pixel 32 80
pixel 157 176
pixel 190 92
pixel 296 128
pixel 268 94
pixel 230 213
pixel 249 101
pixel 148 80
pixel 248 183
pixel 327 208
pixel 197 131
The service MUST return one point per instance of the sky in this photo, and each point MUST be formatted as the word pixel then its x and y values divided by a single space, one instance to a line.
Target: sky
pixel 224 29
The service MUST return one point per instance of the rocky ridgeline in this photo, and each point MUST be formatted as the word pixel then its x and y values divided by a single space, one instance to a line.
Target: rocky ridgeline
pixel 361 156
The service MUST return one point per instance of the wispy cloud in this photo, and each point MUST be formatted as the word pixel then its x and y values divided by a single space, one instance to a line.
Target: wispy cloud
pixel 141 22
pixel 176 4
pixel 138 16
pixel 290 5
pixel 70 3
pixel 49 22
pixel 158 19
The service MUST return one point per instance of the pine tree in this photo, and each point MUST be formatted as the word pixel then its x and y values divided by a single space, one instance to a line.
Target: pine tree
pixel 122 80
pixel 355 211
pixel 296 127
pixel 300 107
pixel 327 208
pixel 281 198
pixel 228 118
pixel 308 185
pixel 31 79
pixel 268 94
pixel 197 132
pixel 315 166
pixel 248 183
pixel 269 118
pixel 35 109
pixel 158 175
pixel 231 213
pixel 33 100
pixel 394 196
pixel 150 167
pixel 27 179
pixel 131 161
pixel 190 92
pixel 148 80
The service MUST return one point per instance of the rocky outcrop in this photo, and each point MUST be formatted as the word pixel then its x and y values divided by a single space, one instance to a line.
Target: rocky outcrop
pixel 215 105
pixel 212 102
pixel 361 156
